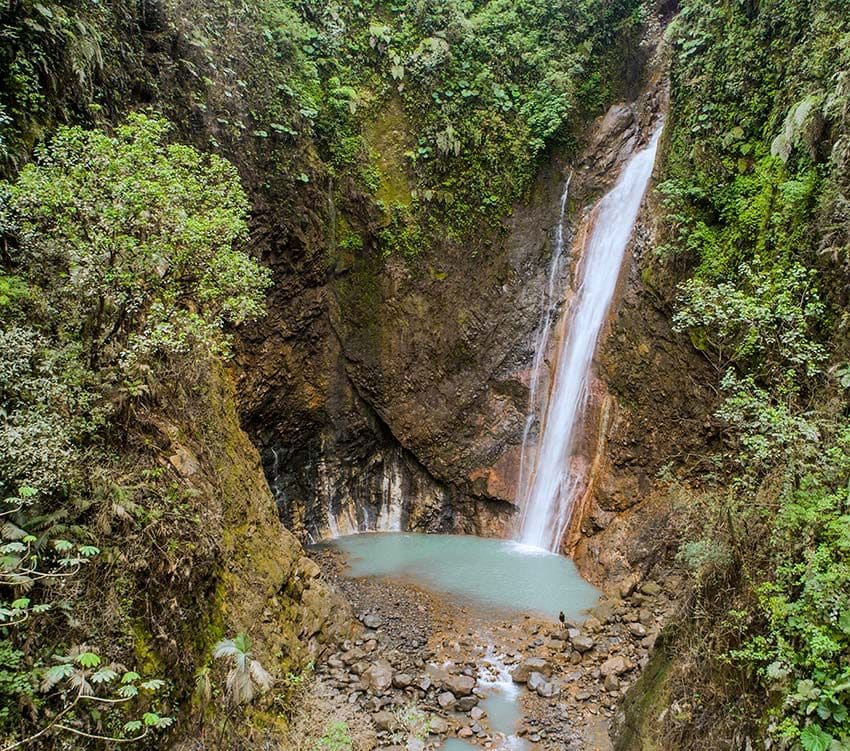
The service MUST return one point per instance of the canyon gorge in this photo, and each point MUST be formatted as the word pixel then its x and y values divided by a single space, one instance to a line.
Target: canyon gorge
pixel 432 375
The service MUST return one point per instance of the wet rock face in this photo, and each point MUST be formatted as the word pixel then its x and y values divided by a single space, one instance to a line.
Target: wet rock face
pixel 387 394
pixel 372 379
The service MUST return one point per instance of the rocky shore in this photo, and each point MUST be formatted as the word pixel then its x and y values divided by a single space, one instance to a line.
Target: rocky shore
pixel 423 665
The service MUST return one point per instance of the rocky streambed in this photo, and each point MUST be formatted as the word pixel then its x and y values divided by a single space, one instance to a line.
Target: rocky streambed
pixel 429 671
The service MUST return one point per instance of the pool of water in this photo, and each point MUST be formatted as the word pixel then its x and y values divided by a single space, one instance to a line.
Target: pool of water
pixel 489 572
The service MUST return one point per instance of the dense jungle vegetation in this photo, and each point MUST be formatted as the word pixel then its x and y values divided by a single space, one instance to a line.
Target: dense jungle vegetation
pixel 439 109
pixel 756 190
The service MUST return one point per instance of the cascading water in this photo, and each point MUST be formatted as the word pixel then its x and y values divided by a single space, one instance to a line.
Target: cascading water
pixel 546 495
pixel 550 301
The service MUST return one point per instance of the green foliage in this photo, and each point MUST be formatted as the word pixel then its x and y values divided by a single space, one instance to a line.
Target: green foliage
pixel 762 323
pixel 76 692
pixel 803 652
pixel 130 242
pixel 413 724
pixel 756 188
pixel 50 411
pixel 120 265
pixel 336 737
pixel 51 54
pixel 485 90
pixel 246 677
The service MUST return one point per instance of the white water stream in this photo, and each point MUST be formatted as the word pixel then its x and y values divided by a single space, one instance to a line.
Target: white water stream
pixel 547 492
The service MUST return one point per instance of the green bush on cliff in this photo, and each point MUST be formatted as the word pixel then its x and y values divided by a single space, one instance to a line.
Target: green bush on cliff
pixel 128 242
pixel 756 187
pixel 121 264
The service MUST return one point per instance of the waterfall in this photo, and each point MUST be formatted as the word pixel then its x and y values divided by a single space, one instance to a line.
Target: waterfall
pixel 550 301
pixel 546 495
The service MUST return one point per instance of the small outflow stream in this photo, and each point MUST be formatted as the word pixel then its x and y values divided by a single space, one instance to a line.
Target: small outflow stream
pixel 548 485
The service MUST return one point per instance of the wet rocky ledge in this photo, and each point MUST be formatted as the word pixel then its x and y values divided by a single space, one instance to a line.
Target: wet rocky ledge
pixel 427 659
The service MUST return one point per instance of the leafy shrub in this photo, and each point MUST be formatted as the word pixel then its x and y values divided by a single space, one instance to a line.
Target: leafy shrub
pixel 122 261
pixel 754 182
pixel 130 240
pixel 336 737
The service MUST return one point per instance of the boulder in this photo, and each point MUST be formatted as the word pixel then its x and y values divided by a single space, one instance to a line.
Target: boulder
pixel 605 611
pixel 542 687
pixel 446 700
pixel 349 657
pixel 582 643
pixel 358 668
pixel 371 620
pixel 459 685
pixel 627 586
pixel 385 721
pixel 465 703
pixel 402 680
pixel 378 677
pixel 592 625
pixel 438 725
pixel 616 665
pixel 531 665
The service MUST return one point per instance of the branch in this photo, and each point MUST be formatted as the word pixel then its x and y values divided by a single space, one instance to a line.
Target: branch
pixel 41 732
pixel 108 738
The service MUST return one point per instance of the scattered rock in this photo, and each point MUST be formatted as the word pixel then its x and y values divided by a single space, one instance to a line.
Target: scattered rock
pixel 465 703
pixel 542 687
pixel 402 680
pixel 575 658
pixel 385 721
pixel 372 620
pixel 616 665
pixel 649 641
pixel 446 700
pixel 459 685
pixel 605 611
pixel 378 677
pixel 627 586
pixel 582 643
pixel 592 625
pixel 522 672
pixel 438 725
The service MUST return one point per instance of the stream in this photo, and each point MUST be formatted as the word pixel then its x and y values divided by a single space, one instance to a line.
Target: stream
pixel 467 632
